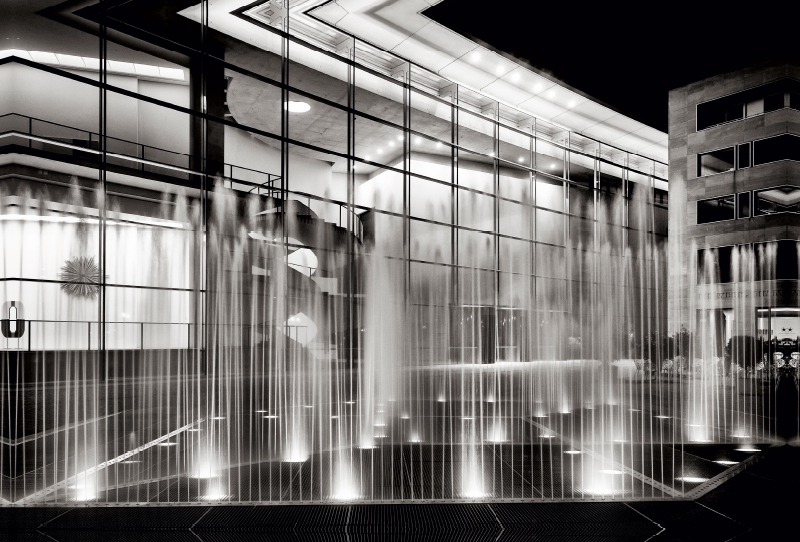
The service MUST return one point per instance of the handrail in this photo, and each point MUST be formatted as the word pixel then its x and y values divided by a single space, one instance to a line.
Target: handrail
pixel 134 342
pixel 252 187
pixel 95 137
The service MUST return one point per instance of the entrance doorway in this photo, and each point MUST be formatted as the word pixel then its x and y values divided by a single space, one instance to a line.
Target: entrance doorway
pixel 779 328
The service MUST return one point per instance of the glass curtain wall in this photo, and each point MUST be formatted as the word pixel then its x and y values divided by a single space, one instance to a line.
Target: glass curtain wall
pixel 309 273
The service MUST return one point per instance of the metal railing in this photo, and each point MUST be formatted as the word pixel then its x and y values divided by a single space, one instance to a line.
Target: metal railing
pixel 82 335
pixel 40 134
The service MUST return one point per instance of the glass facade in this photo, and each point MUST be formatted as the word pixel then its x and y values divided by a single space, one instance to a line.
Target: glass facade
pixel 250 267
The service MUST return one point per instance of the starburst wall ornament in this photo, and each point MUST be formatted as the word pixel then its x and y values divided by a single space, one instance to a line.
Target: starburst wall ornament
pixel 81 277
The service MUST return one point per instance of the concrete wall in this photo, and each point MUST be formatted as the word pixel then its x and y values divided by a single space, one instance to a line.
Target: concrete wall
pixel 685 235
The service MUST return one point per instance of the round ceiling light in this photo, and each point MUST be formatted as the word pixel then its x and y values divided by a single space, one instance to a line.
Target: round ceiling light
pixel 296 107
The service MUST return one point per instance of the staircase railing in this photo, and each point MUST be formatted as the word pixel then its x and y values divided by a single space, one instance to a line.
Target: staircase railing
pixel 41 134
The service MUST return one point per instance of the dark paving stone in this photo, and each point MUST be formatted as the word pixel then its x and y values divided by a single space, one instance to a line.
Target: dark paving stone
pixel 567 519
pixel 16 519
pixel 423 518
pixel 689 521
pixel 276 519
pixel 24 536
pixel 129 518
pixel 121 535
pixel 763 497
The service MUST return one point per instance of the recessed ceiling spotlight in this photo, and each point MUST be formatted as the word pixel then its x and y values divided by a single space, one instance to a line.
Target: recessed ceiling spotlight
pixel 380 151
pixel 296 107
pixel 515 76
pixel 552 166
pixel 499 70
pixel 418 140
pixel 521 159
pixel 400 138
pixel 391 143
pixel 367 158
pixel 438 144
pixel 476 56
pixel 571 103
pixel 551 94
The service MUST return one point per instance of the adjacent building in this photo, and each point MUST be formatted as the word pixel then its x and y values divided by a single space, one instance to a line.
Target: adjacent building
pixel 734 147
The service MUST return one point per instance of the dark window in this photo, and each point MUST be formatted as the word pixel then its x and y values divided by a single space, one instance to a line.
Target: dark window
pixel 660 197
pixel 750 102
pixel 714 265
pixel 776 260
pixel 744 205
pixel 714 162
pixel 718 112
pixel 744 155
pixel 784 199
pixel 716 209
pixel 782 147
pixel 773 102
pixel 786 261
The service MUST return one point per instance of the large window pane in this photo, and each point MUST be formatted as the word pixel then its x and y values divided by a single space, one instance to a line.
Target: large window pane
pixel 476 210
pixel 785 199
pixel 783 147
pixel 379 96
pixel 716 209
pixel 431 116
pixel 550 193
pixel 715 162
pixel 378 143
pixel 430 242
pixel 549 227
pixel 319 73
pixel 322 125
pixel 430 200
pixel 549 158
pixel 476 133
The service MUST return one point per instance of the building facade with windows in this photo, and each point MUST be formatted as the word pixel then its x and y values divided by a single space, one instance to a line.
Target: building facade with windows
pixel 269 252
pixel 735 198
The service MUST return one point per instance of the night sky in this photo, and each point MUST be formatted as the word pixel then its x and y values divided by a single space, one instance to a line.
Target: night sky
pixel 628 55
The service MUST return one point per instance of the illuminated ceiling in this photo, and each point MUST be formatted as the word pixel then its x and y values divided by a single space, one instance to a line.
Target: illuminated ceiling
pixel 400 32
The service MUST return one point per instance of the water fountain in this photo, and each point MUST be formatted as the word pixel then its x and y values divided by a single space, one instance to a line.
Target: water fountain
pixel 214 366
